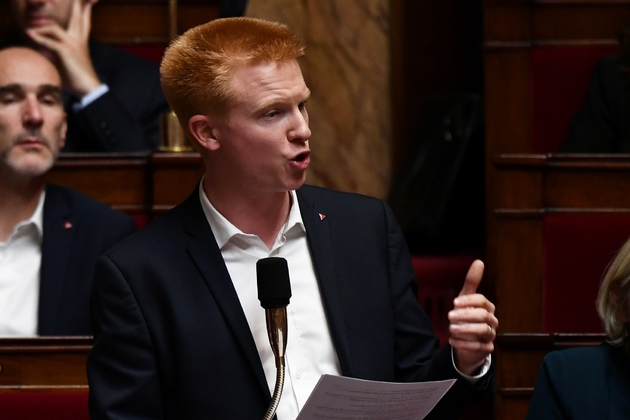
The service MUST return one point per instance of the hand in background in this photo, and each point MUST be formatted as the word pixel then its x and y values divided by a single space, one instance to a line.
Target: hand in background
pixel 70 48
pixel 472 324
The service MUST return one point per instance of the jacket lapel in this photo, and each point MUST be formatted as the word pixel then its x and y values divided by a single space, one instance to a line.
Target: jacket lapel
pixel 206 255
pixel 316 218
pixel 57 246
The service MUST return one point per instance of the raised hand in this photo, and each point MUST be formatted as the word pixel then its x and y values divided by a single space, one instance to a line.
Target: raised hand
pixel 69 47
pixel 472 323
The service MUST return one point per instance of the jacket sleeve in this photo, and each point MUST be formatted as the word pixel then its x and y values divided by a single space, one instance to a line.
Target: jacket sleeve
pixel 122 369
pixel 107 125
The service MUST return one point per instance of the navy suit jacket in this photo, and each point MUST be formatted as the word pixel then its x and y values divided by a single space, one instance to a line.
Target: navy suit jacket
pixel 590 383
pixel 77 230
pixel 172 342
pixel 125 119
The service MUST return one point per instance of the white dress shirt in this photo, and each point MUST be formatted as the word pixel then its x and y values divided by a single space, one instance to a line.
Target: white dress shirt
pixel 20 260
pixel 310 352
pixel 101 90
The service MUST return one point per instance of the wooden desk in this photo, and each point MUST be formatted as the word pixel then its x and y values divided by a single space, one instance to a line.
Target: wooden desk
pixel 44 364
pixel 150 183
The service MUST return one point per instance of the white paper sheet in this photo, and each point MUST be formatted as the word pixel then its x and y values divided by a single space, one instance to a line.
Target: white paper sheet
pixel 341 398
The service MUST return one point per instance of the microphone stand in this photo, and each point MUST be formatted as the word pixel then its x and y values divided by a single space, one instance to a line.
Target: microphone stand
pixel 274 292
pixel 277 329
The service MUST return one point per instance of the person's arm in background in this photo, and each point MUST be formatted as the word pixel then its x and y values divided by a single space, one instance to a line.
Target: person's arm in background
pixel 116 112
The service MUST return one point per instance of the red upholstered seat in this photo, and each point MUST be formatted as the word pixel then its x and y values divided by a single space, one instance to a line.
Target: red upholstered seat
pixel 44 405
pixel 577 250
pixel 152 52
pixel 440 278
pixel 559 84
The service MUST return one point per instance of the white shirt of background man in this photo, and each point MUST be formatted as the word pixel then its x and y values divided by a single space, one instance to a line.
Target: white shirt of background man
pixel 20 261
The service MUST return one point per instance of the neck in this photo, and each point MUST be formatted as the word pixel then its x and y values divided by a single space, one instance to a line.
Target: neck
pixel 262 215
pixel 18 201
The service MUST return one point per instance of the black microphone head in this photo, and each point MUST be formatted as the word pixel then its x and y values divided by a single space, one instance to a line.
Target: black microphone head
pixel 274 287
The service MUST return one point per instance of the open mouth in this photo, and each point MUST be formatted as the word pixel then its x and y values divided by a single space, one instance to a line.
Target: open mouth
pixel 302 157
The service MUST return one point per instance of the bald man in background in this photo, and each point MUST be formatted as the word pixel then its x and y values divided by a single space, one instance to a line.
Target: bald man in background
pixel 50 236
pixel 113 99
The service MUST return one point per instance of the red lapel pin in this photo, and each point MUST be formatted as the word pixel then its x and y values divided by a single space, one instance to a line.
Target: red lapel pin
pixel 322 216
pixel 67 225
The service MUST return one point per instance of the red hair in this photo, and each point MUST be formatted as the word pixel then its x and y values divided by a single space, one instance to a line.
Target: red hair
pixel 197 67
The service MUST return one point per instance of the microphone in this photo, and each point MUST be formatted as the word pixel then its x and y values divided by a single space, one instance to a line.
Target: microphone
pixel 274 292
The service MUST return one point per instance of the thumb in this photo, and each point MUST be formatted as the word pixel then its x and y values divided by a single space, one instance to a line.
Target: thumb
pixel 473 278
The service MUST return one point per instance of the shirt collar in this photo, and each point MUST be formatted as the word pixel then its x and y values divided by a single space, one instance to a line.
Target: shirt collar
pixel 35 222
pixel 38 216
pixel 224 230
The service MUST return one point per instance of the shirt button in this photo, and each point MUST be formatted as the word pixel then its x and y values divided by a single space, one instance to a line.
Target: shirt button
pixel 298 375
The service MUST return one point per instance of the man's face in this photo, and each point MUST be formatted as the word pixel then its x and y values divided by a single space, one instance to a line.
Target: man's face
pixel 32 119
pixel 264 139
pixel 34 13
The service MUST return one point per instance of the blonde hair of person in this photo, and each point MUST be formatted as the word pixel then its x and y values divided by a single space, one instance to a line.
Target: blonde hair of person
pixel 197 67
pixel 613 299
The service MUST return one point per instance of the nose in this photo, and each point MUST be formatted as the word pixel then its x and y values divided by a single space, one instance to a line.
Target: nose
pixel 32 114
pixel 300 131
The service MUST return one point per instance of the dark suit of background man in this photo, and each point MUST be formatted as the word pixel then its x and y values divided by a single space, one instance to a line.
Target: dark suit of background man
pixel 179 332
pixel 113 98
pixel 50 236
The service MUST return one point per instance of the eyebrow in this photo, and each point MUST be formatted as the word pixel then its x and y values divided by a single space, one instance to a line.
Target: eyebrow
pixel 275 102
pixel 41 89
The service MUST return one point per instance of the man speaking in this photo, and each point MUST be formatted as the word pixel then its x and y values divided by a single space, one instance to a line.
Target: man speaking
pixel 179 331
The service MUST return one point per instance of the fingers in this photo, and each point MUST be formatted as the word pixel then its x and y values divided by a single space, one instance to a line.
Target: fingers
pixel 80 21
pixel 473 341
pixel 477 332
pixel 473 301
pixel 49 36
pixel 86 19
pixel 473 278
pixel 473 324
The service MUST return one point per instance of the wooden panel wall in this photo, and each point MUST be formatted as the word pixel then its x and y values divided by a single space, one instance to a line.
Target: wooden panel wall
pixel 143 183
pixel 436 50
pixel 147 21
pixel 522 188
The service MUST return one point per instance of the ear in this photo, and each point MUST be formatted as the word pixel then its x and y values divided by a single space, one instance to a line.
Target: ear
pixel 64 131
pixel 205 131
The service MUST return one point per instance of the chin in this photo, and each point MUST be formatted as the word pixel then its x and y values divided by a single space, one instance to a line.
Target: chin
pixel 296 184
pixel 32 167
